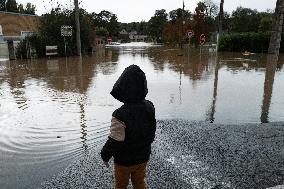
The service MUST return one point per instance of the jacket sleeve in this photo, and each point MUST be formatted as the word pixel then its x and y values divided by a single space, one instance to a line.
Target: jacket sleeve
pixel 115 140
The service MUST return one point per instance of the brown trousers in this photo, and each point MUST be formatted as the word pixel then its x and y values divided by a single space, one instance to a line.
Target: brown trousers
pixel 137 173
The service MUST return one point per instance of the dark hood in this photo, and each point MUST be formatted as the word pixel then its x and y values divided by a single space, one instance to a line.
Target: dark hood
pixel 131 86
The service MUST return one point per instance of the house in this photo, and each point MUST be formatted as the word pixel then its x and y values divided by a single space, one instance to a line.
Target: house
pixel 99 42
pixel 124 36
pixel 135 37
pixel 16 27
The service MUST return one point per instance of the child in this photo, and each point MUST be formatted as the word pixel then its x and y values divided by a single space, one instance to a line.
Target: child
pixel 132 129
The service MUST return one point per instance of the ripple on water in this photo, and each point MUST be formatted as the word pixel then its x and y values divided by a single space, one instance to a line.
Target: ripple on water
pixel 49 144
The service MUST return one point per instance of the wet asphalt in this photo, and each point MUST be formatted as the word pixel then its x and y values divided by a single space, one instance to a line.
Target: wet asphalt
pixel 194 155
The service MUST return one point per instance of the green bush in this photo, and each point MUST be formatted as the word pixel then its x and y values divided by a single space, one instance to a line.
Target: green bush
pixel 240 42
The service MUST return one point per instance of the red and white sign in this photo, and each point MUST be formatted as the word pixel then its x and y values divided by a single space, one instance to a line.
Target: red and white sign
pixel 109 40
pixel 202 39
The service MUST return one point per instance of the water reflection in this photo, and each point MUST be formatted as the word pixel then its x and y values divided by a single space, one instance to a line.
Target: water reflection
pixel 211 113
pixel 271 67
pixel 178 61
pixel 83 124
pixel 69 97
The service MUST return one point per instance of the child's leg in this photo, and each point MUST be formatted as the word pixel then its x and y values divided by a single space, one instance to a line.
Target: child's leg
pixel 122 175
pixel 138 176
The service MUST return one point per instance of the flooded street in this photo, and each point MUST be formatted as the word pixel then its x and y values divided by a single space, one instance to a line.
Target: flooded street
pixel 53 110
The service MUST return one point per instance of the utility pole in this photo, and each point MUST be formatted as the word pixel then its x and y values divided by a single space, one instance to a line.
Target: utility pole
pixel 77 20
pixel 220 23
pixel 277 25
pixel 221 16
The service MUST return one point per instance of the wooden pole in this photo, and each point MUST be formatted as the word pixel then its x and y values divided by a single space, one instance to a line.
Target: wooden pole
pixel 77 20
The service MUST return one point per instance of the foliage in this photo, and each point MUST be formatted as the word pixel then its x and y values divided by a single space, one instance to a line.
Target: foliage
pixel 30 9
pixel 3 5
pixel 240 42
pixel 178 13
pixel 200 26
pixel 50 33
pixel 265 24
pixel 157 24
pixel 101 31
pixel 176 31
pixel 37 42
pixel 108 21
pixel 245 20
pixel 211 9
pixel 140 27
pixel 13 6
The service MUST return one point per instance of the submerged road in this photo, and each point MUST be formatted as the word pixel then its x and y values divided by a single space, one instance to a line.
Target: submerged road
pixel 195 155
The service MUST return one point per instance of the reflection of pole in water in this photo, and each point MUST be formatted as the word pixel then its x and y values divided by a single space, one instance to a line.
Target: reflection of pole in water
pixel 66 65
pixel 180 101
pixel 268 86
pixel 213 106
pixel 80 68
pixel 83 126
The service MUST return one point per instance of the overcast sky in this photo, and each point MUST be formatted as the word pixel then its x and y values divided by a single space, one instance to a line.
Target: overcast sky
pixel 138 10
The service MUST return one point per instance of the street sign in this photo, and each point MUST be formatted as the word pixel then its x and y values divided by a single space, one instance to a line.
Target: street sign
pixel 202 39
pixel 66 31
pixel 190 34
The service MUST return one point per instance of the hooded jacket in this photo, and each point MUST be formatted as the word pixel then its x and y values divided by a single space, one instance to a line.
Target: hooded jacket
pixel 133 125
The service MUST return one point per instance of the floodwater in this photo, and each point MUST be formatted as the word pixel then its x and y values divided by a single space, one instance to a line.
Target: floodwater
pixel 53 110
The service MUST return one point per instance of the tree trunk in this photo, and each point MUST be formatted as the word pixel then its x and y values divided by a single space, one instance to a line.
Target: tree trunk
pixel 77 20
pixel 271 66
pixel 221 16
pixel 277 25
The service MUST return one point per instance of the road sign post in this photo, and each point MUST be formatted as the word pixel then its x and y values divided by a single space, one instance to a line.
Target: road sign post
pixel 202 40
pixel 190 34
pixel 66 31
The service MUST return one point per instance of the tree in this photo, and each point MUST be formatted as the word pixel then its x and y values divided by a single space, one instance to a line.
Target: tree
pixel 265 24
pixel 21 8
pixel 277 26
pixel 108 21
pixel 2 5
pixel 245 20
pixel 175 32
pixel 30 9
pixel 101 31
pixel 199 23
pixel 178 13
pixel 157 24
pixel 113 26
pixel 103 18
pixel 11 6
pixel 211 8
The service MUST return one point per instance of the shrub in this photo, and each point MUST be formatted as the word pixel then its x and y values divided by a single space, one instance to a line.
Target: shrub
pixel 240 42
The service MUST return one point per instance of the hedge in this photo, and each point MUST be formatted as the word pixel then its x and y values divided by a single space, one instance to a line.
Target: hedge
pixel 253 42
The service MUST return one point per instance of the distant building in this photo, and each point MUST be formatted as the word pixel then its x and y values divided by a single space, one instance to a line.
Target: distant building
pixel 99 42
pixel 132 36
pixel 123 32
pixel 124 36
pixel 16 27
pixel 135 37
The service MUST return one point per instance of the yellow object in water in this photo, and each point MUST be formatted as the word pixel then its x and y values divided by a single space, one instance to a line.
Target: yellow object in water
pixel 247 53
